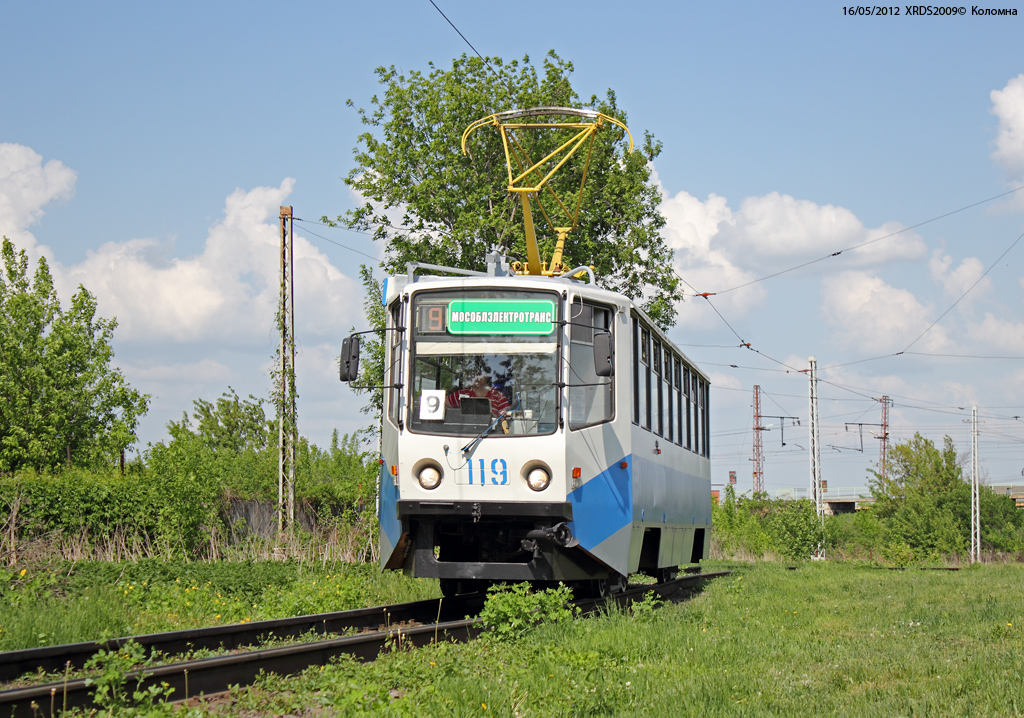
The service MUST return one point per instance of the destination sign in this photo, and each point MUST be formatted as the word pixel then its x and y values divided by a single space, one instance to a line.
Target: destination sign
pixel 501 316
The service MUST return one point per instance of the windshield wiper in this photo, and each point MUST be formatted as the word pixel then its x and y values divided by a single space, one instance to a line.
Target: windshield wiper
pixel 492 426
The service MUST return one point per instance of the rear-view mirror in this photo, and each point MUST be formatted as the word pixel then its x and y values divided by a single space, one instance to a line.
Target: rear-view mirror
pixel 348 366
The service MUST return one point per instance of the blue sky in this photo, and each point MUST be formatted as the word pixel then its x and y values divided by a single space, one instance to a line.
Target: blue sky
pixel 144 151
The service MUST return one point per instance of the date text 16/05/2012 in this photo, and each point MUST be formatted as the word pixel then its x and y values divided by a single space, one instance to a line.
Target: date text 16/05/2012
pixel 922 10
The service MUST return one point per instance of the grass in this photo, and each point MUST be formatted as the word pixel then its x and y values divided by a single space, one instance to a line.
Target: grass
pixel 826 639
pixel 66 603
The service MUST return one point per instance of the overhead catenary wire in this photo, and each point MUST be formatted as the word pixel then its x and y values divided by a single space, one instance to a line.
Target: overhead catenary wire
pixel 511 94
pixel 968 291
pixel 868 242
pixel 745 344
pixel 339 244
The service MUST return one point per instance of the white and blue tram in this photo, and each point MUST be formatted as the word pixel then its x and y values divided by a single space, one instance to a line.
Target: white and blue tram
pixel 537 429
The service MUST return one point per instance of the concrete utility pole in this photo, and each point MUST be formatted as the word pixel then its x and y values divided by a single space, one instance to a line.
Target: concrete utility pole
pixel 816 492
pixel 975 504
pixel 883 449
pixel 287 430
pixel 758 449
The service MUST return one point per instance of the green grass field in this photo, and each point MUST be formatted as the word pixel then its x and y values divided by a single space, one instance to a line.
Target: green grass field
pixel 65 603
pixel 825 639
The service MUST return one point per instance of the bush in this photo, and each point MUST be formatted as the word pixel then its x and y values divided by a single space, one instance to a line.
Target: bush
pixel 510 611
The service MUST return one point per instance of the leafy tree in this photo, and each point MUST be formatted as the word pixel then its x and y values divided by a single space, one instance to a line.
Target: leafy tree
pixel 428 202
pixel 924 503
pixel 61 402
pixel 233 443
pixel 231 424
pixel 796 528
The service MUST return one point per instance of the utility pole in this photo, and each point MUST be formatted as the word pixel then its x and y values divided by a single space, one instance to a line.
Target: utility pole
pixel 286 413
pixel 816 492
pixel 883 449
pixel 758 449
pixel 975 504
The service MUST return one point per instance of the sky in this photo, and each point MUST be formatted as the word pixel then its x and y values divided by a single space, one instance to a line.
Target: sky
pixel 145 150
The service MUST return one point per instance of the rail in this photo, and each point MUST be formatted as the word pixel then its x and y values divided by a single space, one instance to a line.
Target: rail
pixel 214 675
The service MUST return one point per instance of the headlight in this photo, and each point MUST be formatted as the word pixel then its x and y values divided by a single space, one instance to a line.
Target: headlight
pixel 430 477
pixel 538 479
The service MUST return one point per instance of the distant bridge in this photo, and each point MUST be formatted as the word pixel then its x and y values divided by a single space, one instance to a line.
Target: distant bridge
pixel 838 500
pixel 845 499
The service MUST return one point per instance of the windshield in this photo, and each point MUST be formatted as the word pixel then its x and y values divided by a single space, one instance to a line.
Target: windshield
pixel 478 355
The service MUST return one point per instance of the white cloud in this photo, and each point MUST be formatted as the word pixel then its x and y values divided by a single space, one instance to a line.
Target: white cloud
pixel 26 187
pixel 999 334
pixel 959 393
pixel 869 316
pixel 691 230
pixel 718 248
pixel 1008 106
pixel 228 293
pixel 204 371
pixel 190 326
pixel 957 281
pixel 785 229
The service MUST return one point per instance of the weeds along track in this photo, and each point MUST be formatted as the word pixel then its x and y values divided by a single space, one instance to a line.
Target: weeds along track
pixel 408 624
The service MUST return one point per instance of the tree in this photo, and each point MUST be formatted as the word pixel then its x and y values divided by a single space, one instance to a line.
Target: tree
pixel 924 503
pixel 230 424
pixel 452 208
pixel 61 402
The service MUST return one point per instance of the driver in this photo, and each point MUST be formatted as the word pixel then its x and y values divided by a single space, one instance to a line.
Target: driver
pixel 481 387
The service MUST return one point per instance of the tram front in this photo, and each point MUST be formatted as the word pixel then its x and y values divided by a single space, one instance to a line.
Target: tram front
pixel 473 484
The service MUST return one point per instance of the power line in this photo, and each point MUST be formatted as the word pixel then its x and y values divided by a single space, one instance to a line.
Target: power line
pixel 991 266
pixel 511 94
pixel 870 241
pixel 339 244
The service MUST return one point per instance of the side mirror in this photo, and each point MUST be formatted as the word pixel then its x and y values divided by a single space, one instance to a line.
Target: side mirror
pixel 604 354
pixel 348 366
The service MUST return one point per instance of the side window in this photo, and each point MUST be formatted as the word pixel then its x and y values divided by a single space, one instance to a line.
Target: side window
pixel 706 441
pixel 658 395
pixel 645 377
pixel 636 370
pixel 680 411
pixel 670 425
pixel 590 396
pixel 688 428
pixel 666 393
pixel 394 341
pixel 695 412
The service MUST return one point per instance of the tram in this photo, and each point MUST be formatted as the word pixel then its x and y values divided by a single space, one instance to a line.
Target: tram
pixel 536 427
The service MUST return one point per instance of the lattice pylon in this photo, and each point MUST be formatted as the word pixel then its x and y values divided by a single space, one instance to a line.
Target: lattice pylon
pixel 758 449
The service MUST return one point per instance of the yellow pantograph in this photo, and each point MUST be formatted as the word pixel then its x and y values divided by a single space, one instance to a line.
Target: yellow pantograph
pixel 532 180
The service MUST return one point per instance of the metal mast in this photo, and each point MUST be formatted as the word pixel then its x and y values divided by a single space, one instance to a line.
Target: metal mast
pixel 816 493
pixel 975 504
pixel 286 413
pixel 883 449
pixel 758 450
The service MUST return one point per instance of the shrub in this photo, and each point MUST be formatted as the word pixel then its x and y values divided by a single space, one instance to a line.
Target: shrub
pixel 510 611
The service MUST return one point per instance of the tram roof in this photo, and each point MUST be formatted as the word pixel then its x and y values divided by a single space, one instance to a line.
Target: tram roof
pixel 398 285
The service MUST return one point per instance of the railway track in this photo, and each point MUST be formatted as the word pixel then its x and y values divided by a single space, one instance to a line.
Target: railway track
pixel 418 623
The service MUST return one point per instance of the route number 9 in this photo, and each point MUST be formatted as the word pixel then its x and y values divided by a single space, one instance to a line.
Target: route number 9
pixel 432 405
pixel 431 318
pixel 435 319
